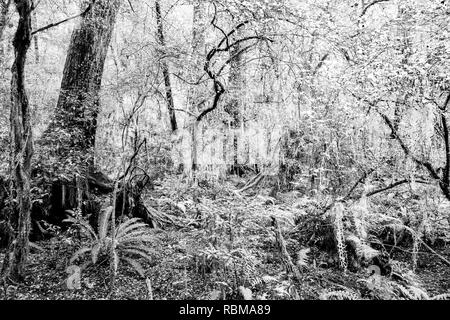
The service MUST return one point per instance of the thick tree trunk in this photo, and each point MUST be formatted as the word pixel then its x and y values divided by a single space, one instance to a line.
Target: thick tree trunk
pixel 165 69
pixel 66 149
pixel 70 139
pixel 22 150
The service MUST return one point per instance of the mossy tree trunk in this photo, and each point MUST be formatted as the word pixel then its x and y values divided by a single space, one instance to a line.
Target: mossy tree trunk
pixel 66 149
pixel 21 151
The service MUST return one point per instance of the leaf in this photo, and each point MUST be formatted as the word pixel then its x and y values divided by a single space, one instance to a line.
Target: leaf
pixel 126 231
pixel 268 279
pixel 134 236
pixel 136 251
pixel 103 222
pixel 95 252
pixel 78 253
pixel 143 238
pixel 124 226
pixel 149 288
pixel 35 246
pixel 136 265
pixel 116 261
pixel 302 257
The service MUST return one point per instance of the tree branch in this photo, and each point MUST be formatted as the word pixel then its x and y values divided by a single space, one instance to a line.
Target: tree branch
pixel 370 5
pixel 51 25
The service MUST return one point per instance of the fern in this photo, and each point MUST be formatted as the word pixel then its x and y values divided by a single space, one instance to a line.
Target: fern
pixel 130 241
pixel 410 292
pixel 302 257
pixel 339 295
pixel 445 296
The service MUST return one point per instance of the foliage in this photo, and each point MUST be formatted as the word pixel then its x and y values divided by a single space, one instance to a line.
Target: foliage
pixel 131 241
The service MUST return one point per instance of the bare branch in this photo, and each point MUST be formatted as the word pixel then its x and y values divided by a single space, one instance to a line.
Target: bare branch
pixel 51 25
pixel 364 11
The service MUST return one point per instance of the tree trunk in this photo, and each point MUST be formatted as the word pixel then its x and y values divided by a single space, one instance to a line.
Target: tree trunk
pixel 235 102
pixel 22 150
pixel 35 39
pixel 165 69
pixel 195 94
pixel 66 149
pixel 70 138
pixel 4 9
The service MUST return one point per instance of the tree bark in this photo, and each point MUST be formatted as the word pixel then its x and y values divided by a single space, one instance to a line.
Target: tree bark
pixel 235 102
pixel 65 160
pixel 22 150
pixel 4 9
pixel 70 138
pixel 35 39
pixel 165 68
pixel 198 47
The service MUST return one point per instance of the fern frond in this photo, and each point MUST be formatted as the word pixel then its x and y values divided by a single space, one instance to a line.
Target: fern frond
pixel 142 247
pixel 95 251
pixel 103 222
pixel 445 296
pixel 35 246
pixel 116 260
pixel 125 231
pixel 139 253
pixel 302 257
pixel 339 295
pixel 136 265
pixel 79 253
pixel 140 238
pixel 418 293
pixel 125 225
pixel 134 234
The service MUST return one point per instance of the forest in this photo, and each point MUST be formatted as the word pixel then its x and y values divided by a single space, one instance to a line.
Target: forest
pixel 224 149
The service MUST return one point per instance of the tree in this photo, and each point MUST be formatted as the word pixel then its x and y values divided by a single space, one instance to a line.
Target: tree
pixel 4 9
pixel 195 92
pixel 70 138
pixel 65 169
pixel 234 105
pixel 21 150
pixel 165 68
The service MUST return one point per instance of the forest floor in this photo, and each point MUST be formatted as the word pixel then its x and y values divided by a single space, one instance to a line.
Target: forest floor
pixel 180 269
